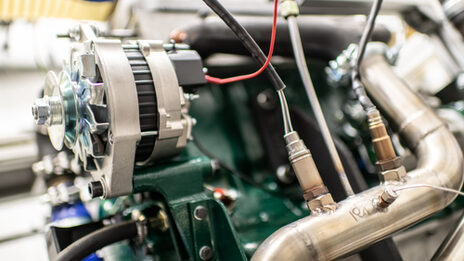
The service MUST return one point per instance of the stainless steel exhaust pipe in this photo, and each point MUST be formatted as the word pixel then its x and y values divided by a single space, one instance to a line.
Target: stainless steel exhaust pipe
pixel 452 247
pixel 358 222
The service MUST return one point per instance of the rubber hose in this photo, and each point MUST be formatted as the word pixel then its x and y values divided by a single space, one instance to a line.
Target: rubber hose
pixel 97 240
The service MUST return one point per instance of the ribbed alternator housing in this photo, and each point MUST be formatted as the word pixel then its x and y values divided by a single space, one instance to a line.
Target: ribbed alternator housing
pixel 147 102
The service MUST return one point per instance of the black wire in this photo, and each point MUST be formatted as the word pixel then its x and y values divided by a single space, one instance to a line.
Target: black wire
pixel 358 86
pixel 233 171
pixel 96 240
pixel 367 33
pixel 247 41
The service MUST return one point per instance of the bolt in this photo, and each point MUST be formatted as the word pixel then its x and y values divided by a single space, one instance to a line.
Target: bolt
pixel 136 215
pixel 41 111
pixel 160 222
pixel 266 100
pixel 91 47
pixel 96 30
pixel 387 197
pixel 206 253
pixel 96 189
pixel 284 174
pixel 35 111
pixel 63 35
pixel 173 42
pixel 200 213
pixel 75 33
pixel 191 96
pixel 110 137
pixel 141 222
pixel 215 166
pixel 144 48
pixel 86 65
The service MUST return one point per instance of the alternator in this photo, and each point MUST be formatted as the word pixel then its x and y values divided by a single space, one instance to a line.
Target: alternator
pixel 118 105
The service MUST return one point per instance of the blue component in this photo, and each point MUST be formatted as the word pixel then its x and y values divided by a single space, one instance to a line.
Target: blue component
pixel 93 257
pixel 67 211
pixel 73 215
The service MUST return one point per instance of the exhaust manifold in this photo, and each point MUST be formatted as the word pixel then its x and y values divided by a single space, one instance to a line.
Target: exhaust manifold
pixel 358 221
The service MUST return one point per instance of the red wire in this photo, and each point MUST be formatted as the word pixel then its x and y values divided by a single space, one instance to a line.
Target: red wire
pixel 268 60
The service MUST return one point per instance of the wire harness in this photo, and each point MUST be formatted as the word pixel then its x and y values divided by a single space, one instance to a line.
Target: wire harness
pixel 289 9
pixel 251 46
pixel 387 160
pixel 358 86
pixel 315 193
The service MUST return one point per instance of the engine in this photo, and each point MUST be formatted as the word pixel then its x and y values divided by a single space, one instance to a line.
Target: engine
pixel 278 130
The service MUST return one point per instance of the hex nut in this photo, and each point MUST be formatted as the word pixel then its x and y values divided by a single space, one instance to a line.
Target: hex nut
pixel 289 8
pixel 389 164
pixel 393 175
pixel 41 111
pixel 315 192
pixel 322 203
